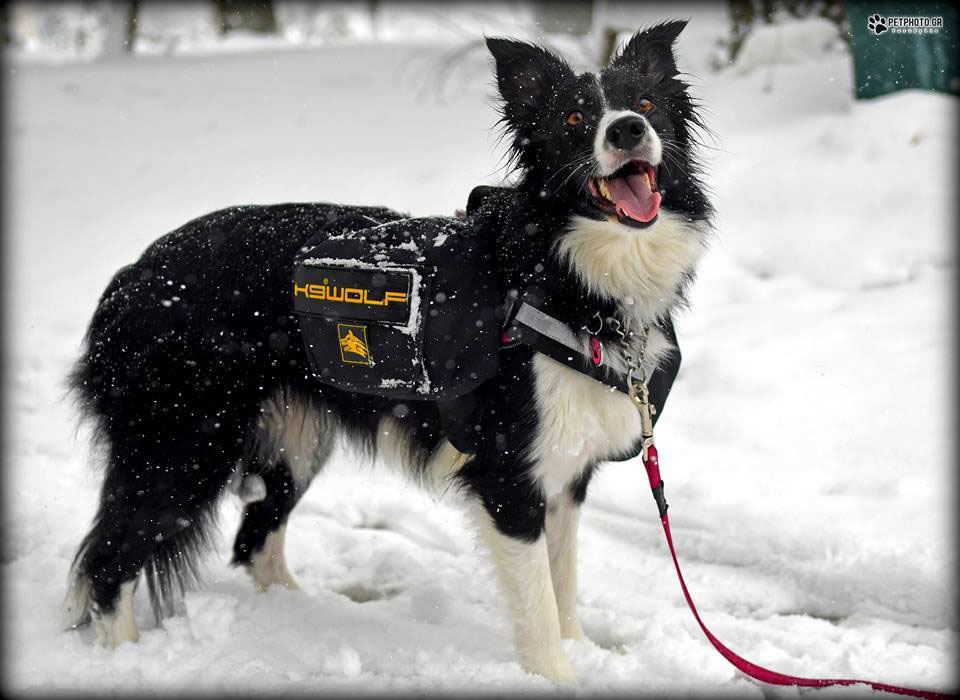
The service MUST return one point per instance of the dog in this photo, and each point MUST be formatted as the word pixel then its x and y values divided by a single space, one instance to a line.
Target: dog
pixel 194 373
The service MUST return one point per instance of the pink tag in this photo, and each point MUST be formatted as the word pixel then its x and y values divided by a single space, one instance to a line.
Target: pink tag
pixel 596 350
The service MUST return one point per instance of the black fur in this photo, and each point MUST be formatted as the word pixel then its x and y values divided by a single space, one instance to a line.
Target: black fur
pixel 262 517
pixel 189 341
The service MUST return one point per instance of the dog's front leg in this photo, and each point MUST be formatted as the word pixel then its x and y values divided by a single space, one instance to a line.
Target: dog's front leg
pixel 563 519
pixel 523 568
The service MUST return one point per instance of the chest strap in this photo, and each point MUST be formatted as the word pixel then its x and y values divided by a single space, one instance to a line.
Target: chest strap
pixel 540 331
pixel 537 329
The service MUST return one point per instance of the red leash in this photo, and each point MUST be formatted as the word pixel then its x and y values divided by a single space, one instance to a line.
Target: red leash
pixel 651 463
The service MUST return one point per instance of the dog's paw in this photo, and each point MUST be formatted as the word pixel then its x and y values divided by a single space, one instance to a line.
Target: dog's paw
pixel 563 674
pixel 268 566
pixel 114 630
pixel 877 24
pixel 570 629
pixel 554 667
pixel 264 576
pixel 117 626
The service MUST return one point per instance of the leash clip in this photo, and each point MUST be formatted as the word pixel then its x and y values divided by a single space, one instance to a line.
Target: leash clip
pixel 640 395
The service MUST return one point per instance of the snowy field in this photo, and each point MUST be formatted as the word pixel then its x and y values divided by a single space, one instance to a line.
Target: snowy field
pixel 806 445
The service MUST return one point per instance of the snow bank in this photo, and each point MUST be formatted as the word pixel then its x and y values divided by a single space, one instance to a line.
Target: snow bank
pixel 847 194
pixel 788 41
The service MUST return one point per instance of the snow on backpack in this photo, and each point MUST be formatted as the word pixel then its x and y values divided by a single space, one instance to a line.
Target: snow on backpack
pixel 401 308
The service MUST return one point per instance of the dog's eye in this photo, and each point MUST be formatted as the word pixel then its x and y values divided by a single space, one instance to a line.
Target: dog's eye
pixel 574 118
pixel 644 105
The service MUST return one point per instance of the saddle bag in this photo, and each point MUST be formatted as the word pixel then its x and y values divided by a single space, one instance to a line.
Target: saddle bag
pixel 404 309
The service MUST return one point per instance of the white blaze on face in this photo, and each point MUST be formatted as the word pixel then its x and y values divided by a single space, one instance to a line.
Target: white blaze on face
pixel 610 158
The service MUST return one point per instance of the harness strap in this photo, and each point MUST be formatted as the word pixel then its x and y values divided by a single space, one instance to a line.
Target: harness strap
pixel 556 330
pixel 554 338
pixel 651 463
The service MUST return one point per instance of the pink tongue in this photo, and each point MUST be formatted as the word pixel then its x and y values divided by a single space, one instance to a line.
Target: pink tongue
pixel 634 198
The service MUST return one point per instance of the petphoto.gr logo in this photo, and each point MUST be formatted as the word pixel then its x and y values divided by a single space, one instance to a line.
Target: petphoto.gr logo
pixel 904 25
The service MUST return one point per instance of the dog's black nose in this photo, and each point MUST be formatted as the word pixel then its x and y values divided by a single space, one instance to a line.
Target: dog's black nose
pixel 625 132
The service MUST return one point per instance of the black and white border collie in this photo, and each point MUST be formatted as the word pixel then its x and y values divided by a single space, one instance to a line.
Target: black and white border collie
pixel 195 375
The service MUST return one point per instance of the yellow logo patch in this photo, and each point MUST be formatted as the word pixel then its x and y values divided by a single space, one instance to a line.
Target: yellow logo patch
pixel 347 295
pixel 353 344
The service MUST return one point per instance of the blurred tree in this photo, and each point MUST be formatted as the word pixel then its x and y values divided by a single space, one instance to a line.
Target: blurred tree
pixel 81 30
pixel 132 20
pixel 375 16
pixel 249 15
pixel 119 19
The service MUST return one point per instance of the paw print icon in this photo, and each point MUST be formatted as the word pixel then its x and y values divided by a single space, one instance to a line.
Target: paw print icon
pixel 877 24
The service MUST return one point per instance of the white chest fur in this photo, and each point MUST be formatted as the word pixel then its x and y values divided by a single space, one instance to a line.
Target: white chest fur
pixel 641 269
pixel 582 420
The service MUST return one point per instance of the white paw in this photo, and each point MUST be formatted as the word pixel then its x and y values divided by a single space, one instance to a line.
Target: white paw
pixel 570 627
pixel 112 631
pixel 117 627
pixel 264 577
pixel 269 566
pixel 554 667
pixel 565 675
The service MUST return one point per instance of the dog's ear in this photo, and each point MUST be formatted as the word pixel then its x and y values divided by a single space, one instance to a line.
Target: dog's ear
pixel 651 50
pixel 526 75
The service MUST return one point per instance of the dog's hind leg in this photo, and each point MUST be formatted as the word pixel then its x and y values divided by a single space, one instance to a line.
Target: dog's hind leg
pixel 155 514
pixel 292 441
pixel 119 626
pixel 259 544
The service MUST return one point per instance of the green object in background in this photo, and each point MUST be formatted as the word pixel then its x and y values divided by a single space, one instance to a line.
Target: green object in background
pixel 894 60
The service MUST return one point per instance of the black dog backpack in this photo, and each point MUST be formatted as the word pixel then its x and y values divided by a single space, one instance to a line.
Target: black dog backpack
pixel 410 308
pixel 401 308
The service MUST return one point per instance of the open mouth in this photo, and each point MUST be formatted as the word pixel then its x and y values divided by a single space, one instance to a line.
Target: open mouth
pixel 630 194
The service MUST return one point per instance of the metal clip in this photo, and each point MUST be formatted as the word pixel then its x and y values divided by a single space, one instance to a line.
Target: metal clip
pixel 641 397
pixel 599 318
pixel 616 326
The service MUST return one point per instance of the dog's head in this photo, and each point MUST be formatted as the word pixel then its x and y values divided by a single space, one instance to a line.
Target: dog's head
pixel 617 145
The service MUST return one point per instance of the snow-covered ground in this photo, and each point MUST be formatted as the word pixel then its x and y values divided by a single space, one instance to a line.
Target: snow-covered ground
pixel 806 446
